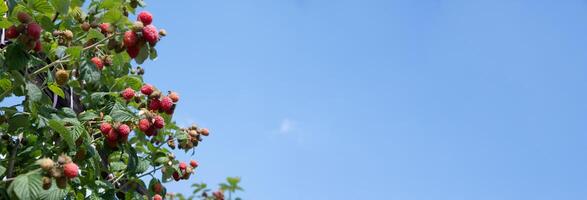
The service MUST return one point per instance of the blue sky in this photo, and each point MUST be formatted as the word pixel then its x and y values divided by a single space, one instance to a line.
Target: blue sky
pixel 365 99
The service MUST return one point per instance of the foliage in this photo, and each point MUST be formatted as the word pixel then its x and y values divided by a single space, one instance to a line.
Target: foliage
pixel 75 79
pixel 201 191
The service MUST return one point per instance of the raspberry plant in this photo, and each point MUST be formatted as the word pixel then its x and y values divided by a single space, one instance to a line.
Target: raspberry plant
pixel 88 126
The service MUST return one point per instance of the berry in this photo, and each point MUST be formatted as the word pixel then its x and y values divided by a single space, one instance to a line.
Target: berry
pixel 150 34
pixel 12 32
pixel 145 17
pixel 112 136
pixel 61 77
pixel 154 104
pixel 162 32
pixel 46 164
pixel 38 46
pixel 63 159
pixel 137 26
pixel 159 122
pixel 204 132
pixel 147 89
pixel 68 34
pixel 128 94
pixel 86 26
pixel 105 128
pixel 34 31
pixel 182 165
pixel 157 188
pixel 24 18
pixel 130 38
pixel 123 130
pixel 176 176
pixel 193 163
pixel 151 131
pixel 133 51
pixel 144 125
pixel 61 182
pixel 105 28
pixel 70 170
pixel 174 96
pixel 47 182
pixel 166 103
pixel 98 62
pixel 157 197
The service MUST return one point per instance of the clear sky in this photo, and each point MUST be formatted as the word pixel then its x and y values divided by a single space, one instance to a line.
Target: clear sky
pixel 382 99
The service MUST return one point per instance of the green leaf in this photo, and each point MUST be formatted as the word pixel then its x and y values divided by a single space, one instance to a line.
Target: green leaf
pixel 5 84
pixel 121 113
pixel 53 193
pixel 134 82
pixel 42 6
pixel 33 92
pixel 58 127
pixel 57 90
pixel 143 54
pixel 2 170
pixel 109 4
pixel 16 56
pixel 5 23
pixel 87 116
pixel 3 8
pixel 26 186
pixel 153 53
pixel 17 121
pixel 112 16
pixel 74 52
pixel 117 166
pixel 94 34
pixel 61 6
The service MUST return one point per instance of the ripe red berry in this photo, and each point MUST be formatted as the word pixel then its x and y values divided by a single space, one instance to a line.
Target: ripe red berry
pixel 70 170
pixel 157 188
pixel 193 163
pixel 144 125
pixel 34 31
pixel 105 127
pixel 145 17
pixel 154 104
pixel 147 89
pixel 38 46
pixel 174 96
pixel 130 39
pixel 166 103
pixel 150 34
pixel 24 17
pixel 182 165
pixel 112 136
pixel 152 131
pixel 133 51
pixel 157 197
pixel 176 176
pixel 159 122
pixel 12 32
pixel 123 130
pixel 128 94
pixel 105 28
pixel 98 62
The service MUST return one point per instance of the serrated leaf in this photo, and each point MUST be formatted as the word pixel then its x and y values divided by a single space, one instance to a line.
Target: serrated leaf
pixel 58 127
pixel 134 82
pixel 5 23
pixel 5 84
pixel 26 186
pixel 74 53
pixel 112 16
pixel 117 166
pixel 57 90
pixel 33 92
pixel 2 170
pixel 16 57
pixel 41 6
pixel 18 121
pixel 94 34
pixel 143 54
pixel 61 6
pixel 53 193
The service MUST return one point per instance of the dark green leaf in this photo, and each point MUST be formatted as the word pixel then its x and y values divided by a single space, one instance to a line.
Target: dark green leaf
pixel 26 186
pixel 16 57
pixel 57 90
pixel 61 6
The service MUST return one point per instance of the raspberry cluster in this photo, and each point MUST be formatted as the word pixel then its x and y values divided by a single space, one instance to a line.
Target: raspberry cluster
pixel 115 134
pixel 184 170
pixel 64 170
pixel 27 32
pixel 141 33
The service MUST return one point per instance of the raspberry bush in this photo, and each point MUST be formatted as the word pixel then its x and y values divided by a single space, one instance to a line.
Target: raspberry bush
pixel 86 125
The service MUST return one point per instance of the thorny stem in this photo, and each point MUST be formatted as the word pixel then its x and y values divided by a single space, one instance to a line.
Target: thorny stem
pixel 150 172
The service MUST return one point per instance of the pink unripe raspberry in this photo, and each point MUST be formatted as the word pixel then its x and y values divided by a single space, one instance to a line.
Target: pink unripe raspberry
pixel 158 122
pixel 130 39
pixel 166 103
pixel 123 130
pixel 182 165
pixel 145 17
pixel 174 96
pixel 193 163
pixel 128 94
pixel 34 30
pixel 157 197
pixel 144 125
pixel 105 127
pixel 70 170
pixel 98 62
pixel 150 34
pixel 105 28
pixel 147 89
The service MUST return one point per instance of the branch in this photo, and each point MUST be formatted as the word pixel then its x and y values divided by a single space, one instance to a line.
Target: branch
pixel 13 157
pixel 150 172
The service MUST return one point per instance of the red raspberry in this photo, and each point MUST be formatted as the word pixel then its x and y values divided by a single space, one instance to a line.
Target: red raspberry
pixel 204 132
pixel 133 51
pixel 147 89
pixel 166 103
pixel 112 136
pixel 12 32
pixel 157 188
pixel 24 18
pixel 38 46
pixel 170 111
pixel 145 17
pixel 130 39
pixel 159 122
pixel 128 94
pixel 144 125
pixel 34 31
pixel 176 176
pixel 174 96
pixel 123 130
pixel 150 34
pixel 182 165
pixel 152 131
pixel 157 197
pixel 105 127
pixel 154 104
pixel 112 144
pixel 70 170
pixel 105 28
pixel 98 62
pixel 193 163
